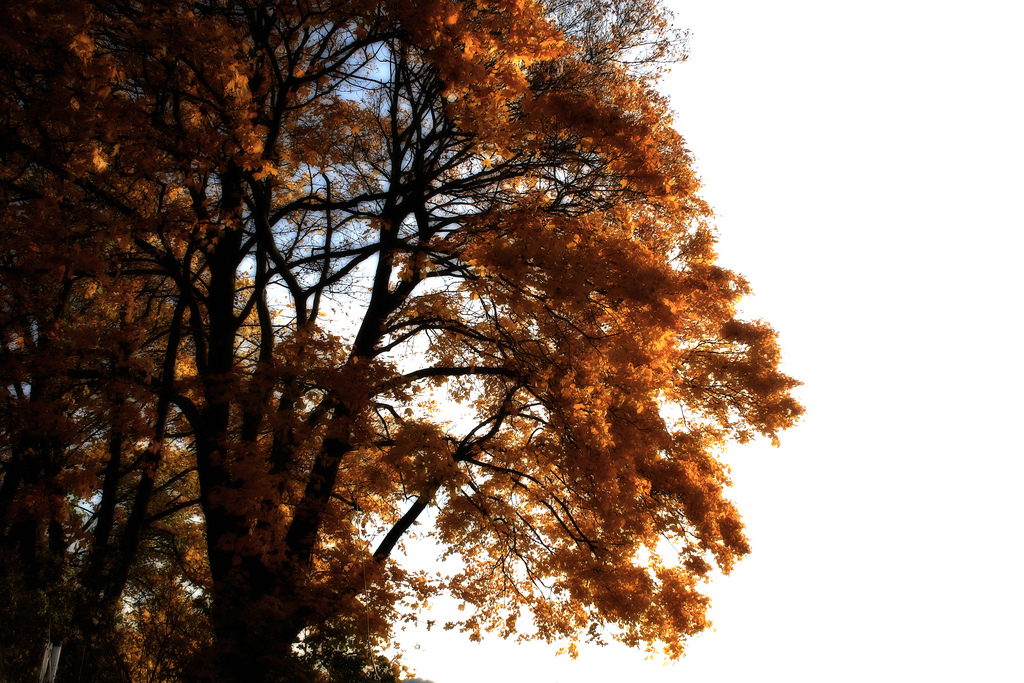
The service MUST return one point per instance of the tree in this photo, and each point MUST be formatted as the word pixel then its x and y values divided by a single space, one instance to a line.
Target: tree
pixel 291 272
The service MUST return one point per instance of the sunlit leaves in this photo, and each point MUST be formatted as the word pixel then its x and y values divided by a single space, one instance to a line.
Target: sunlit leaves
pixel 325 265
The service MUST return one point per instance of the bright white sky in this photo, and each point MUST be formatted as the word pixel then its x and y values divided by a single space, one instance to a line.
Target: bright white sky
pixel 865 163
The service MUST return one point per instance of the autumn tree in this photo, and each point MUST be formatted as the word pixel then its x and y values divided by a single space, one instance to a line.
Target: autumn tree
pixel 282 275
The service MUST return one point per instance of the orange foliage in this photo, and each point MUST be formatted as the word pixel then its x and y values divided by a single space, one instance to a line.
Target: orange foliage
pixel 301 269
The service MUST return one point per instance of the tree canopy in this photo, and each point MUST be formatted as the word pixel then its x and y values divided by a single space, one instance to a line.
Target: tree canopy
pixel 278 276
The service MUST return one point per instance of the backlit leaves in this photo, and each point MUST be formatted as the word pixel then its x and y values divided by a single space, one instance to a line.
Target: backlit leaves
pixel 280 276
